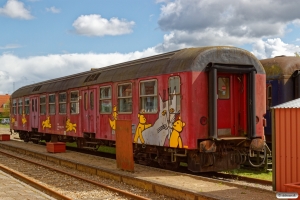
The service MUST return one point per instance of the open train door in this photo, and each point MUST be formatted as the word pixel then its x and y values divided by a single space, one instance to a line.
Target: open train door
pixel 34 117
pixel 231 100
pixel 231 104
pixel 89 110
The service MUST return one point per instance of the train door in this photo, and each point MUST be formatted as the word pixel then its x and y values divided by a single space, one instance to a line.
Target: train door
pixel 231 106
pixel 89 110
pixel 34 112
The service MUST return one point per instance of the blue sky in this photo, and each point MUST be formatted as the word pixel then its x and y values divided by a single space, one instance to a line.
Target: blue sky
pixel 42 39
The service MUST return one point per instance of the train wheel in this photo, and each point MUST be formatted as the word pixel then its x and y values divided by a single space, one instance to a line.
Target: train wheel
pixel 259 158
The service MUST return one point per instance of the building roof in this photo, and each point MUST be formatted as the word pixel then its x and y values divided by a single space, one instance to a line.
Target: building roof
pixel 3 99
pixel 290 104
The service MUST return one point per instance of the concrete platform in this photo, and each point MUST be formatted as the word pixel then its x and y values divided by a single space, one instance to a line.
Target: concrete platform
pixel 13 189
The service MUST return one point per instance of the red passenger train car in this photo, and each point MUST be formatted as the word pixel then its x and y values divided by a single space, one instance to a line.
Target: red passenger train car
pixel 203 106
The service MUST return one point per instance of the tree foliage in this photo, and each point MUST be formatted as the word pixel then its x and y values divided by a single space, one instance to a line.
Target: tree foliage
pixel 6 109
pixel 297 54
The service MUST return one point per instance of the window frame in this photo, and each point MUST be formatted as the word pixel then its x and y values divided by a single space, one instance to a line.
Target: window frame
pixel 14 106
pixel 228 96
pixel 43 104
pixel 62 103
pixel 170 93
pixel 52 104
pixel 20 106
pixel 26 105
pixel 105 99
pixel 124 97
pixel 155 95
pixel 76 102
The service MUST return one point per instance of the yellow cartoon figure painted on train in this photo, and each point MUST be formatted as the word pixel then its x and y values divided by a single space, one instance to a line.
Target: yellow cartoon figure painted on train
pixel 23 119
pixel 175 138
pixel 46 123
pixel 141 127
pixel 115 117
pixel 70 126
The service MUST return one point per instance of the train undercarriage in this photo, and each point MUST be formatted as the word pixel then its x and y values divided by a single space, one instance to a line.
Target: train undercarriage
pixel 212 155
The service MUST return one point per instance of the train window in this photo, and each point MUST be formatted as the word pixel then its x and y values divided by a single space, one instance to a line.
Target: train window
pixel 32 104
pixel 74 102
pixel 105 100
pixel 26 106
pixel 35 105
pixel 223 88
pixel 148 96
pixel 62 100
pixel 52 104
pixel 14 106
pixel 174 93
pixel 20 106
pixel 125 97
pixel 92 100
pixel 43 105
pixel 269 96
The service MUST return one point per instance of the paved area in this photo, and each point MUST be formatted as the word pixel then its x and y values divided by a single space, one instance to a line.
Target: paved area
pixel 13 189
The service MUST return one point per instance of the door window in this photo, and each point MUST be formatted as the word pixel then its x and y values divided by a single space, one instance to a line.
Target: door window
pixel 223 88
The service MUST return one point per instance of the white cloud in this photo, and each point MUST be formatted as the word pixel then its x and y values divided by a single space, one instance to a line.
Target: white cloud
pixel 25 71
pixel 15 9
pixel 10 46
pixel 214 22
pixel 273 47
pixel 53 10
pixel 95 25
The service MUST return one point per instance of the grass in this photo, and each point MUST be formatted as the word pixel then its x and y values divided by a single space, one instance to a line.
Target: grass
pixel 259 174
pixel 4 125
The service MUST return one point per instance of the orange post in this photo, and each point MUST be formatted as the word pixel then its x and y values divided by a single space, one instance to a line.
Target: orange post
pixel 124 150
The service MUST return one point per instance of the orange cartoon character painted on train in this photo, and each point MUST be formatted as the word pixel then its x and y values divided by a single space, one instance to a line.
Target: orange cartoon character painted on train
pixel 140 128
pixel 175 138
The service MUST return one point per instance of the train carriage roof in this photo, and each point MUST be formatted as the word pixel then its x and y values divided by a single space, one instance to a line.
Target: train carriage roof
pixel 191 59
pixel 281 66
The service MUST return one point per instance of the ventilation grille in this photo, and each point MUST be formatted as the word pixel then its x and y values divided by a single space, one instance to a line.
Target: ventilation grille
pixel 36 88
pixel 92 77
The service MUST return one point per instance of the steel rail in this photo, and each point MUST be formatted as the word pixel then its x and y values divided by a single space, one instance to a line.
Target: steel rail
pixel 124 193
pixel 30 182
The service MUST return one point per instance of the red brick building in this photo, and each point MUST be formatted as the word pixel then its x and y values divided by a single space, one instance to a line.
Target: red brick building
pixel 4 104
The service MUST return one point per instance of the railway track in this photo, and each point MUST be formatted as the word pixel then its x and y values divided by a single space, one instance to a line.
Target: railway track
pixel 60 183
pixel 213 175
pixel 209 186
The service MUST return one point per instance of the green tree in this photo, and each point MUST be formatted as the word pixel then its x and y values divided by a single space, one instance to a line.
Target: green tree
pixel 297 54
pixel 6 109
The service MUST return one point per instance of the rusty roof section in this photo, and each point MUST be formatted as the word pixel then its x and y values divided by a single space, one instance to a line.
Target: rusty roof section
pixel 3 100
pixel 281 66
pixel 191 59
